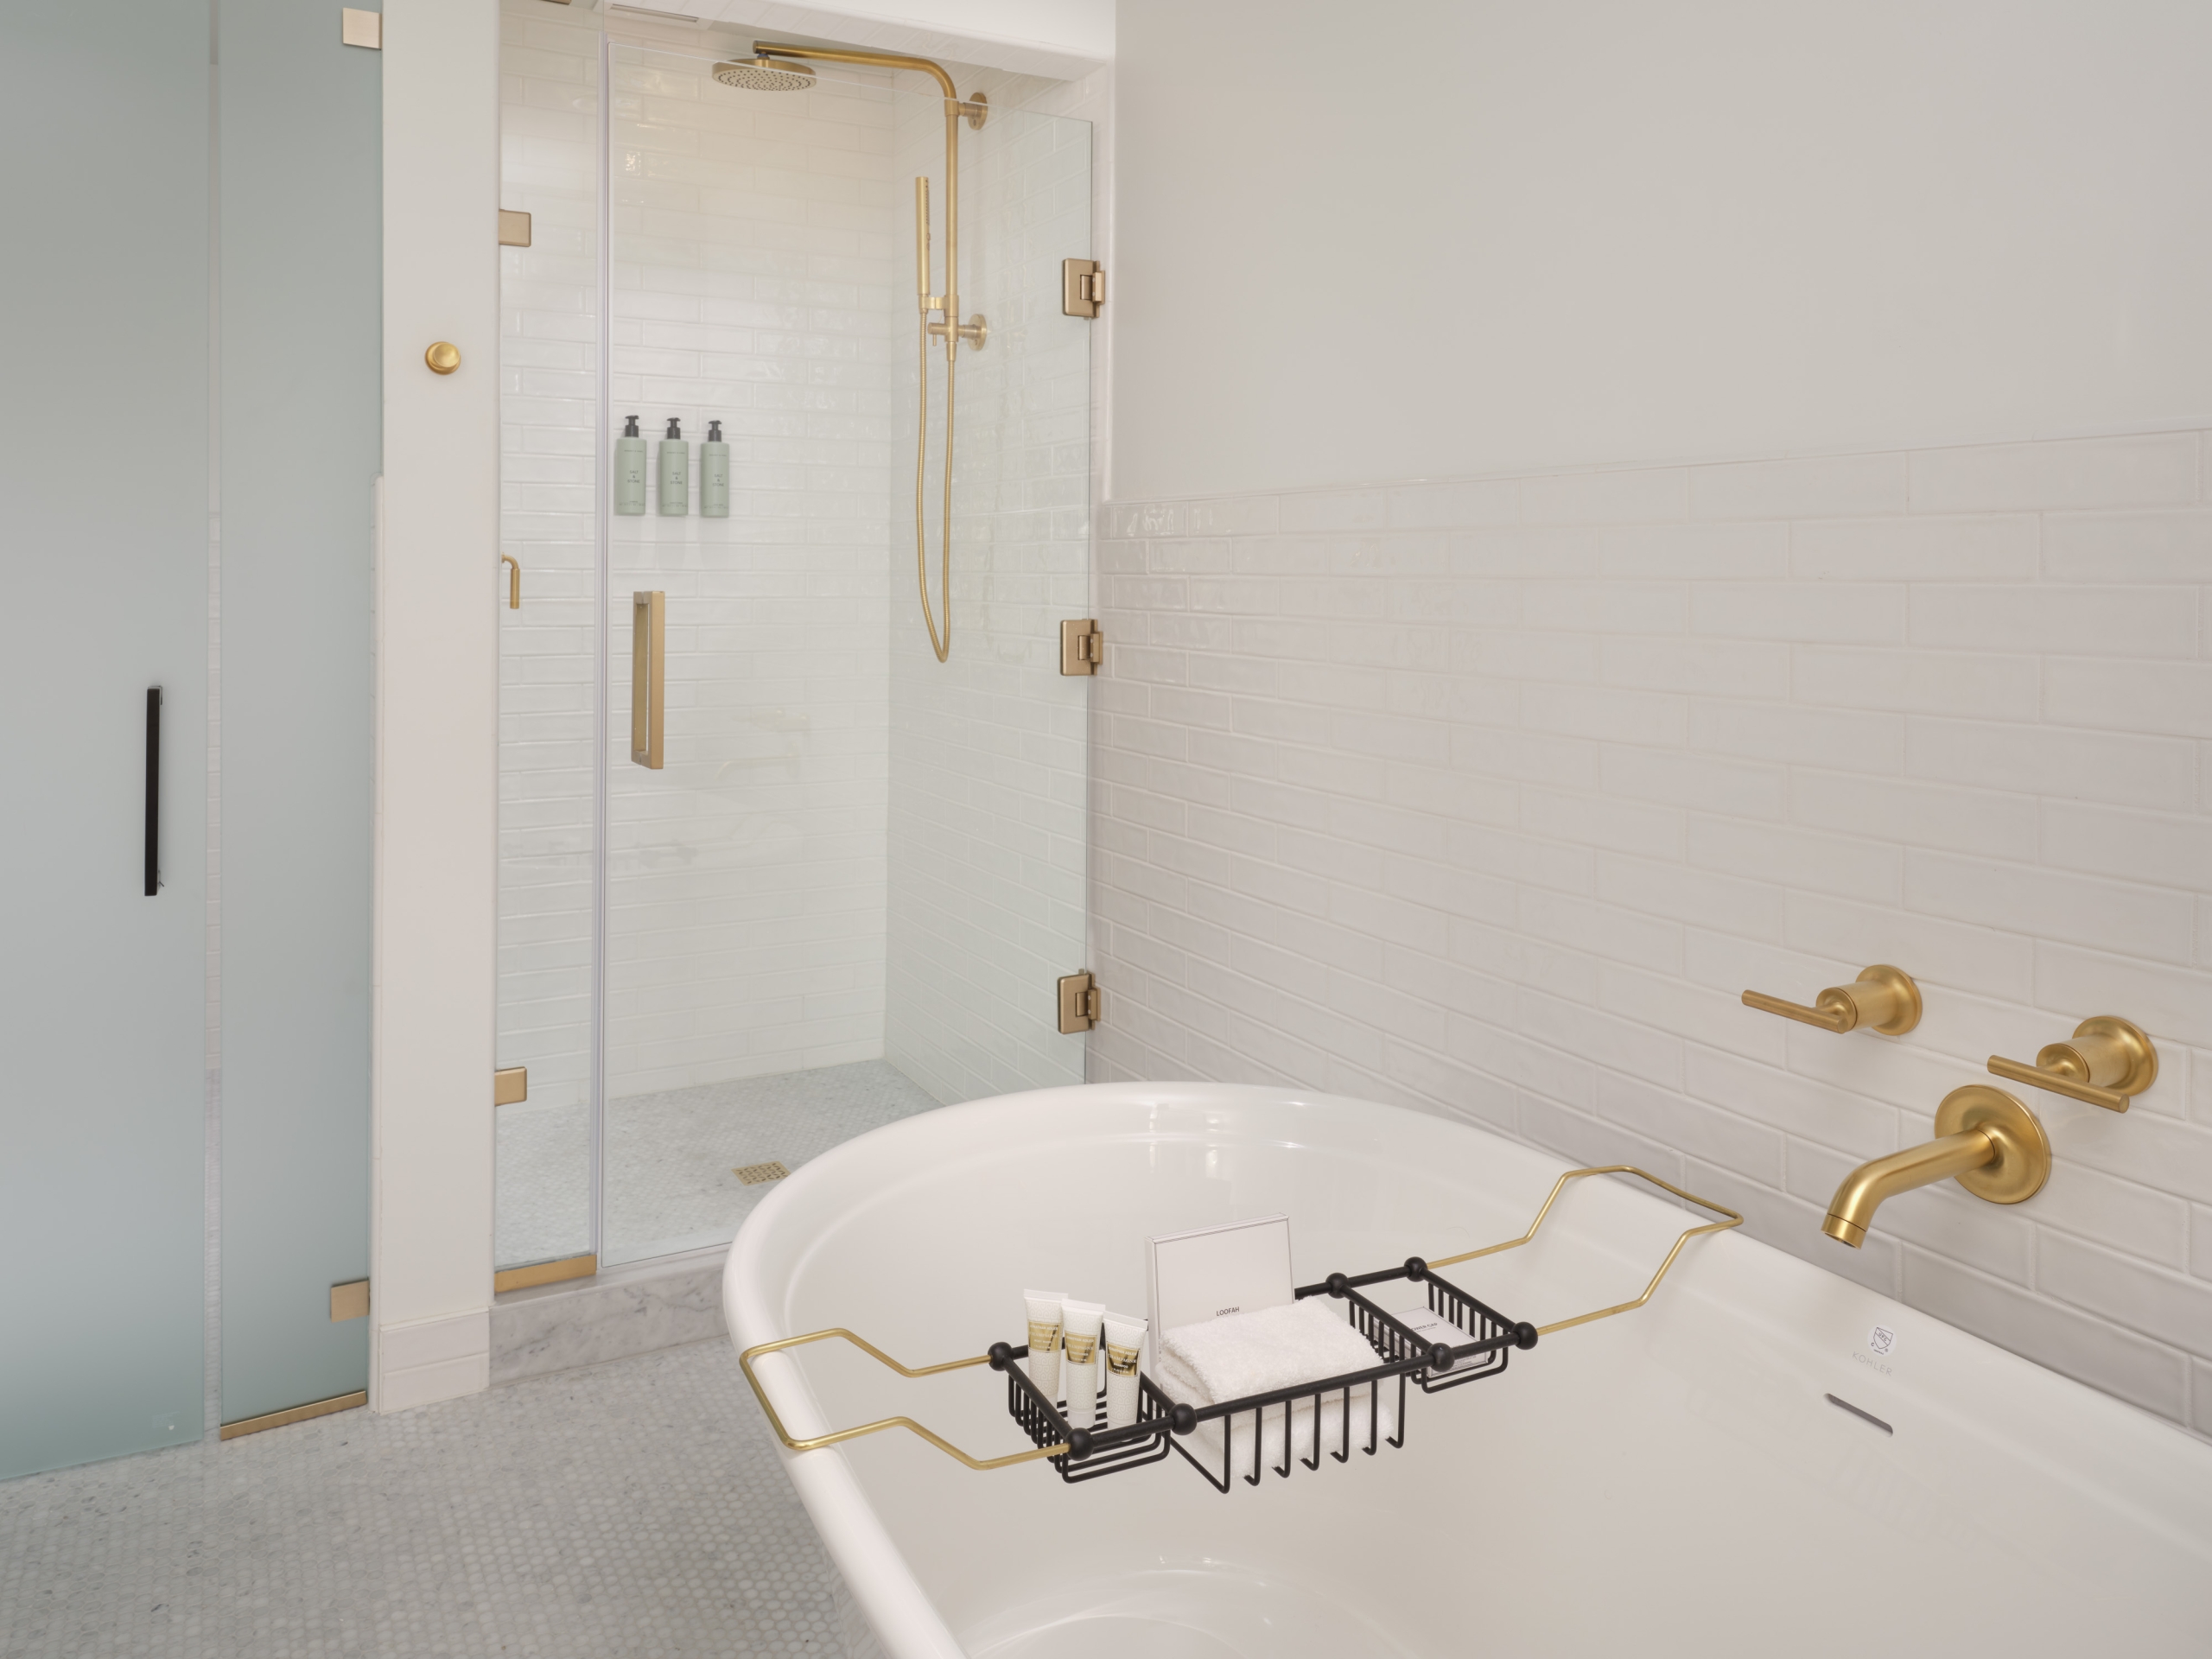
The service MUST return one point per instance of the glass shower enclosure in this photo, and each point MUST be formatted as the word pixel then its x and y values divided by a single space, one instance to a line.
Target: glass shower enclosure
pixel 771 874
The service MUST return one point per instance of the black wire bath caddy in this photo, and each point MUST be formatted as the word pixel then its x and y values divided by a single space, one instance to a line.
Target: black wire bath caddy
pixel 1091 1450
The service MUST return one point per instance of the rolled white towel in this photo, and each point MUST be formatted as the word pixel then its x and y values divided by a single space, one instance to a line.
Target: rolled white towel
pixel 1239 1355
pixel 1269 1348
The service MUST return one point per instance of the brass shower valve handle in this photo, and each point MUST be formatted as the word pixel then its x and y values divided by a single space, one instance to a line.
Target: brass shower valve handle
pixel 1882 997
pixel 2106 1060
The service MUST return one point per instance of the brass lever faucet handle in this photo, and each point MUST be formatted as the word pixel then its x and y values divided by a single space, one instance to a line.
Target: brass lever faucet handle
pixel 2106 1062
pixel 1883 997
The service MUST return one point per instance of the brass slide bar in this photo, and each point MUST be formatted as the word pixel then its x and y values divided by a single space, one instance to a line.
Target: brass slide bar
pixel 775 1420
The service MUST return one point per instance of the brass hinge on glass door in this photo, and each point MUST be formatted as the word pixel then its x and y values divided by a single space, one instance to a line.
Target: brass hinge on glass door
pixel 1081 1006
pixel 648 676
pixel 1083 287
pixel 1082 647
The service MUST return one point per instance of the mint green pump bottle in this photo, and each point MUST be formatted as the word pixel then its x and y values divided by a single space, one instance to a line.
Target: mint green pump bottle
pixel 630 471
pixel 714 474
pixel 674 473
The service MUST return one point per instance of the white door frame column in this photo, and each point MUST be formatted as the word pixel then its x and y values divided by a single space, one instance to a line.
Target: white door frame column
pixel 437 706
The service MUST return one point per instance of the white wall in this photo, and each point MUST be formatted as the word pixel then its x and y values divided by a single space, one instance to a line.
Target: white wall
pixel 1458 236
pixel 1489 793
pixel 437 706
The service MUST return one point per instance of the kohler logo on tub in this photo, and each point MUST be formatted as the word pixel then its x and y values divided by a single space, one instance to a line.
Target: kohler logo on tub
pixel 1881 1343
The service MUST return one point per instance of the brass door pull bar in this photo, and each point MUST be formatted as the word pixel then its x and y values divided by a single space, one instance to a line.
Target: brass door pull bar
pixel 1490 1333
pixel 775 1422
pixel 648 677
pixel 2106 1061
pixel 1560 1186
pixel 1883 997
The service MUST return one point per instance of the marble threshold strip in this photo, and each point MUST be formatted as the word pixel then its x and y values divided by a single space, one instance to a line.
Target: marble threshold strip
pixel 635 1308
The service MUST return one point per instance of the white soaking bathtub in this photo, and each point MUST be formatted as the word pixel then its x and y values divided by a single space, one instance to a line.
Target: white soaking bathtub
pixel 1673 1480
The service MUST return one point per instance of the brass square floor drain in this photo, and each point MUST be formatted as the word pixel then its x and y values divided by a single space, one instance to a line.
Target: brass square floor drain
pixel 754 1174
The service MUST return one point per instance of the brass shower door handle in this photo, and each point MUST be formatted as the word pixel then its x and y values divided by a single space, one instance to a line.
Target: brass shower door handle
pixel 648 677
pixel 2106 1061
pixel 1883 997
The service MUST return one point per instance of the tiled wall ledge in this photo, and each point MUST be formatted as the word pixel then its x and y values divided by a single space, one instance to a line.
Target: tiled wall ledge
pixel 627 1310
pixel 1490 797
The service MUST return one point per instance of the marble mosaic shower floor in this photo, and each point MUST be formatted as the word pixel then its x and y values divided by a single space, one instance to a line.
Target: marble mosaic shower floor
pixel 672 1157
pixel 634 1509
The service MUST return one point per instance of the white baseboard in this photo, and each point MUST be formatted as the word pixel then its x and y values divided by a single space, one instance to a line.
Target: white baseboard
pixel 428 1360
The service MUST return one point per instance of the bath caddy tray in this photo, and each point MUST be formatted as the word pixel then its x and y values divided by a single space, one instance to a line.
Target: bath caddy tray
pixel 1340 1413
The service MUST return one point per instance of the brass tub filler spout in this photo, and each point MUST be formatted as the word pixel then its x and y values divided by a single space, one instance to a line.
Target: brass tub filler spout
pixel 1993 1144
pixel 1080 1445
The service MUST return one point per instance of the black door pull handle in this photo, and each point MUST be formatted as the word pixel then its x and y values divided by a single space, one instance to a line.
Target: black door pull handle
pixel 153 790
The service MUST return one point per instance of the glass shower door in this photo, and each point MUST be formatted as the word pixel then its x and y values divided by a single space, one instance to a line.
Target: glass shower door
pixel 842 877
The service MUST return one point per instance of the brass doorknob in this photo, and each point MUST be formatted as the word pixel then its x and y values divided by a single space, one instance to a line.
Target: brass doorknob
pixel 443 357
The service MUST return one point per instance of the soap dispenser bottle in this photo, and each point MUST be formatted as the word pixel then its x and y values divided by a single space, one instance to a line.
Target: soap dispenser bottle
pixel 630 471
pixel 674 473
pixel 714 474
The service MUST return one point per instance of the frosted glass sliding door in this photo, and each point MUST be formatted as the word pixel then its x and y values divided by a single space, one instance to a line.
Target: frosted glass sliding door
pixel 103 1011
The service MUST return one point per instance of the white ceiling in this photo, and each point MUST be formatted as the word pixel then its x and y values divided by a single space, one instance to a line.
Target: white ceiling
pixel 1061 39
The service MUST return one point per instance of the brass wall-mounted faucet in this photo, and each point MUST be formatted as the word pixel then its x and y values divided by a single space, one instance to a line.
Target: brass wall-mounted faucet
pixel 1995 1146
pixel 1883 997
pixel 2107 1060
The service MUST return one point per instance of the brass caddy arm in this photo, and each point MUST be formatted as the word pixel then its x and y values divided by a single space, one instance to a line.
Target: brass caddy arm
pixel 776 1422
pixel 1734 1220
pixel 775 1419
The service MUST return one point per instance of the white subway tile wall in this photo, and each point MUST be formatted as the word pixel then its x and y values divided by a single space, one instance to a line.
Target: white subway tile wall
pixel 1489 798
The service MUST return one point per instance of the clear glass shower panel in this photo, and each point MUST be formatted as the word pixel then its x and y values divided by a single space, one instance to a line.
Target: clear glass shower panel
pixel 988 748
pixel 549 646
pixel 756 946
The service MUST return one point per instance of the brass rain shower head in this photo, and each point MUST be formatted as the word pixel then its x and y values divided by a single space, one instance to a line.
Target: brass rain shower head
pixel 765 75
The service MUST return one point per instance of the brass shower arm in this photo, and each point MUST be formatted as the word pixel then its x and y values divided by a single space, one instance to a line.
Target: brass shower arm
pixel 878 60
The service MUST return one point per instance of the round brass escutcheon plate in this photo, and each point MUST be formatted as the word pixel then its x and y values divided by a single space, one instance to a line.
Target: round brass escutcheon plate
pixel 977 109
pixel 2023 1161
pixel 443 358
pixel 1907 996
pixel 2142 1053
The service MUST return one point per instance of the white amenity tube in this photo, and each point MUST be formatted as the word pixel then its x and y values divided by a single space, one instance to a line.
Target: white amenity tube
pixel 1079 1324
pixel 1124 1342
pixel 1044 1308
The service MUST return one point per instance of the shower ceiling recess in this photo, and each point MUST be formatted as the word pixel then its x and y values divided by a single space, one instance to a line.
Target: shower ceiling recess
pixel 779 67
